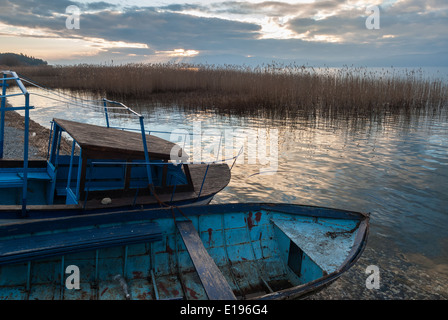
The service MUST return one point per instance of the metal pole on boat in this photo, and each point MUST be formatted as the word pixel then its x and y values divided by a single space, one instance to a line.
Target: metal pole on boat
pixel 69 177
pixel 3 106
pixel 203 180
pixel 25 152
pixel 105 111
pixel 145 149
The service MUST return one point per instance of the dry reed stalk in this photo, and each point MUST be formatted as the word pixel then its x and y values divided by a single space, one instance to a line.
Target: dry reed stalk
pixel 274 89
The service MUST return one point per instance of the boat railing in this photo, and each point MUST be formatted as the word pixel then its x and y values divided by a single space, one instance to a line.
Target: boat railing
pixel 142 129
pixel 108 106
pixel 123 106
pixel 143 132
pixel 185 134
pixel 129 165
pixel 11 76
pixel 149 132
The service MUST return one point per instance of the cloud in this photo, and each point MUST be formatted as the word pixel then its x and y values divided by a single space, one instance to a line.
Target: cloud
pixel 322 31
pixel 162 31
pixel 97 6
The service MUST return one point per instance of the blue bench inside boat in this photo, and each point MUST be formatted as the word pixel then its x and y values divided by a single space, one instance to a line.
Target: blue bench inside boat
pixel 15 179
pixel 22 249
pixel 110 176
pixel 10 180
pixel 213 281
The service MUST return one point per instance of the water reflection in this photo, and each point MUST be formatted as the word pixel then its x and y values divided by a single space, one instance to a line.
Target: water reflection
pixel 393 166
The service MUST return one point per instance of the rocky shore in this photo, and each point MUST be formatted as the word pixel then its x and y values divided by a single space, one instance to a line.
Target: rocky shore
pixel 14 137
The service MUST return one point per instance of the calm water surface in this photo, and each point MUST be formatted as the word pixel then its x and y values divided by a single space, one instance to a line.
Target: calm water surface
pixel 395 168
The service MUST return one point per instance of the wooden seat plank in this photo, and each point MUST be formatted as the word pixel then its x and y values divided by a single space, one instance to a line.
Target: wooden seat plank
pixel 213 281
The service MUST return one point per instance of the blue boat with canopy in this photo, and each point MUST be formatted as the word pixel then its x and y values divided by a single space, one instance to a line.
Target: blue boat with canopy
pixel 107 168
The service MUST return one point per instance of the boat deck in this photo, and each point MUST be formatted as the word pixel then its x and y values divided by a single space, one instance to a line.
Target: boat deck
pixel 103 141
pixel 218 176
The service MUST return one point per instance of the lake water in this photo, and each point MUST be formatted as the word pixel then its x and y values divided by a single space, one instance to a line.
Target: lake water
pixel 395 168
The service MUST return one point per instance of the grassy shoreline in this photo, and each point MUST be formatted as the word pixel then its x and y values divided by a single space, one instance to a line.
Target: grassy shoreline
pixel 274 89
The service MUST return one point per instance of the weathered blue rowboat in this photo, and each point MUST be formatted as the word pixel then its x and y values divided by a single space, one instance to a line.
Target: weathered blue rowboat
pixel 104 169
pixel 229 251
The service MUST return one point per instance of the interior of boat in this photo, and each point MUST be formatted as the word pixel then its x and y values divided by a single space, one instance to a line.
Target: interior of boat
pixel 241 254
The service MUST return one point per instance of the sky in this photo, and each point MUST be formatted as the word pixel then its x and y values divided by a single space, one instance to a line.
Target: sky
pixel 402 33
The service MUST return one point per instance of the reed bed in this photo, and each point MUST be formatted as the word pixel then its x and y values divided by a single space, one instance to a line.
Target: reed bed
pixel 274 90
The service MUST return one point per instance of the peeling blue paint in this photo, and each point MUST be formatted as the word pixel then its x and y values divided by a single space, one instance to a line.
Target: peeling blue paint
pixel 250 244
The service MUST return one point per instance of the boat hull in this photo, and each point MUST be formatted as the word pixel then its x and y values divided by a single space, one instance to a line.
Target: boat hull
pixel 263 251
pixel 9 213
pixel 207 182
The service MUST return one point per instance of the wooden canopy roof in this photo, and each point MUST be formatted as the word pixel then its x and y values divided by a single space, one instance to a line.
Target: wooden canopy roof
pixel 102 142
